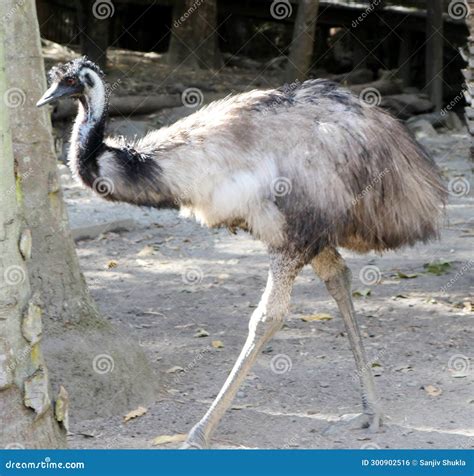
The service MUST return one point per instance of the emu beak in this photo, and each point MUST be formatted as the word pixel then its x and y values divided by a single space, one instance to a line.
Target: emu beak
pixel 56 91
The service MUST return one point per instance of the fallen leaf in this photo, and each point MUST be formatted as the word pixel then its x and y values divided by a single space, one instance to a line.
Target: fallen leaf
pixel 432 391
pixel 138 412
pixel 175 369
pixel 201 333
pixel 317 317
pixel 403 368
pixel 437 268
pixel 217 344
pixel 362 292
pixel 401 296
pixel 164 439
pixel 406 276
pixel 111 264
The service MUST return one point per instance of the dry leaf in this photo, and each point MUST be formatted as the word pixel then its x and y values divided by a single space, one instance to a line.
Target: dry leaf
pixel 175 369
pixel 164 439
pixel 432 391
pixel 111 264
pixel 138 412
pixel 201 333
pixel 217 344
pixel 317 317
pixel 406 275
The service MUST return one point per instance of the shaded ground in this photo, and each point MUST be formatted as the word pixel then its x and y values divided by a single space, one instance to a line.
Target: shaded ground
pixel 168 278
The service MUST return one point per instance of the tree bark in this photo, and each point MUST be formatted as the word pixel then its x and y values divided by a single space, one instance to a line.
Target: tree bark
pixel 93 19
pixel 434 51
pixel 194 39
pixel 75 332
pixel 302 45
pixel 24 384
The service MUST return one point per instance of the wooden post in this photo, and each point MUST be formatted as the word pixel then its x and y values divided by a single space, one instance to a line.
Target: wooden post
pixel 434 52
pixel 302 45
pixel 469 76
pixel 404 57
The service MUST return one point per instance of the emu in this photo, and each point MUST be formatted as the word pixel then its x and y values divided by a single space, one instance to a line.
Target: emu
pixel 306 169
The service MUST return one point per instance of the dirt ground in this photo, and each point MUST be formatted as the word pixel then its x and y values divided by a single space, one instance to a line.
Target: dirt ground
pixel 168 280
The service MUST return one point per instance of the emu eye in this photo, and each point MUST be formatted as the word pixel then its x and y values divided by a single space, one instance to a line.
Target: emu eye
pixel 70 81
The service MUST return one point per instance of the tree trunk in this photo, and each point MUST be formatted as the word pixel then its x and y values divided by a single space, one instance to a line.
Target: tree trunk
pixel 25 403
pixel 469 76
pixel 76 335
pixel 93 19
pixel 434 51
pixel 302 45
pixel 194 39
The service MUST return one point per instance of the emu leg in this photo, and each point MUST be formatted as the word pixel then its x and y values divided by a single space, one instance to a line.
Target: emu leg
pixel 331 268
pixel 265 321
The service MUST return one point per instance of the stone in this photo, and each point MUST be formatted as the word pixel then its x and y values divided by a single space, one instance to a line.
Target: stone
pixel 422 128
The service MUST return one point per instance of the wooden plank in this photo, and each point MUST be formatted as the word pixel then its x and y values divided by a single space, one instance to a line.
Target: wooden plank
pixel 434 52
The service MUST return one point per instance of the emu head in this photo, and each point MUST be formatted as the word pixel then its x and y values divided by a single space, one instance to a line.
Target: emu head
pixel 75 78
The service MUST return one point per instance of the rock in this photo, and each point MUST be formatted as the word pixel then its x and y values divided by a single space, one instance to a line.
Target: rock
pixel 453 122
pixel 422 128
pixel 406 105
pixel 93 231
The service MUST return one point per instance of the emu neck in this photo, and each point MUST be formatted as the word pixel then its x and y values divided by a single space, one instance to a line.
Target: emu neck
pixel 88 133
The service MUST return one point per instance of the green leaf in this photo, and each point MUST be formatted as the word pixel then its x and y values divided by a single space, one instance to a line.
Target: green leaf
pixel 437 268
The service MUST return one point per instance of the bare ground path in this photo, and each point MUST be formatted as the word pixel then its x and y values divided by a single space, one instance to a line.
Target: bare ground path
pixel 168 280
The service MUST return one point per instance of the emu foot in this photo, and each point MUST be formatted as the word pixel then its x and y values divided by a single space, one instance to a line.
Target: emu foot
pixel 372 422
pixel 195 440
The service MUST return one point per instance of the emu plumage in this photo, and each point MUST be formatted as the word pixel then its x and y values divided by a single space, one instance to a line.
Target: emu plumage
pixel 306 169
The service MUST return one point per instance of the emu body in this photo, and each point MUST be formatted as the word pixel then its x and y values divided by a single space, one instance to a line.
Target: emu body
pixel 306 168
